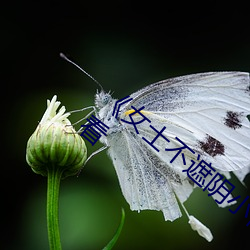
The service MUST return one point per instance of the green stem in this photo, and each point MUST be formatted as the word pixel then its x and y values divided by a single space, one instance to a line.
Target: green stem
pixel 54 177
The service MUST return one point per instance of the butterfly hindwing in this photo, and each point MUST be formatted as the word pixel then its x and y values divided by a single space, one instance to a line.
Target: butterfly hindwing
pixel 145 180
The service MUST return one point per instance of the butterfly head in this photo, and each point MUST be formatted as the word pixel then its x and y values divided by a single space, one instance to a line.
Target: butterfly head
pixel 102 99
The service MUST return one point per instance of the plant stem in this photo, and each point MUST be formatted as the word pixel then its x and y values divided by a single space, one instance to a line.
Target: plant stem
pixel 54 177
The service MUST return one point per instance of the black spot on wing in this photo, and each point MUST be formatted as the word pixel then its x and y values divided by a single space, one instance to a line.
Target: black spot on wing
pixel 233 119
pixel 212 146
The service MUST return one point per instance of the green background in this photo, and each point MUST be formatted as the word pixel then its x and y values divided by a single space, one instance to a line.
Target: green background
pixel 125 45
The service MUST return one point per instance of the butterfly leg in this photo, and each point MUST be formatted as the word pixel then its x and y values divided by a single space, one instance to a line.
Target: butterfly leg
pixel 80 110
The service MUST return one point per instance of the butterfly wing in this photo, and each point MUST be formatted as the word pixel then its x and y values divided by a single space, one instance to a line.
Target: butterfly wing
pixel 212 106
pixel 147 181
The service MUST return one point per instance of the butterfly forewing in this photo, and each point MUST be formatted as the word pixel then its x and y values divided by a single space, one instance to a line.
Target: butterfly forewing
pixel 212 106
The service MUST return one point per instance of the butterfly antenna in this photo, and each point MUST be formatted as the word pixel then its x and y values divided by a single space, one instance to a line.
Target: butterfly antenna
pixel 90 76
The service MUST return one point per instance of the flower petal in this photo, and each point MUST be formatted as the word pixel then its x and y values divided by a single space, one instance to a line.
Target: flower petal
pixel 50 114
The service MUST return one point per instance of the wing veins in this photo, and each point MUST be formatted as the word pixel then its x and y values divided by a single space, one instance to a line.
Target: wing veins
pixel 144 184
pixel 206 132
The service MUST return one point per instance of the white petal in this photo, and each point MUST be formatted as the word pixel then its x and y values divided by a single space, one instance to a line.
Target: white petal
pixel 200 228
pixel 50 114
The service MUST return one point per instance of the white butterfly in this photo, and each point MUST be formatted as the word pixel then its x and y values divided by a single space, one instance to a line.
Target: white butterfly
pixel 208 112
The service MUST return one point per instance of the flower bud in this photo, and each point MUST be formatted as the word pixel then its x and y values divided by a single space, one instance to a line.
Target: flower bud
pixel 55 144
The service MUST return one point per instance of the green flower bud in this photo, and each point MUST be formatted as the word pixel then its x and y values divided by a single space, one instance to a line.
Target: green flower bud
pixel 55 144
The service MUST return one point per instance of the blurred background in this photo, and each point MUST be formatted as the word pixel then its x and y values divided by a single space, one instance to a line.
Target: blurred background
pixel 125 45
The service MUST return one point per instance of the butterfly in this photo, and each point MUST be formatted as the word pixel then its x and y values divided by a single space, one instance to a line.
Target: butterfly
pixel 206 112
